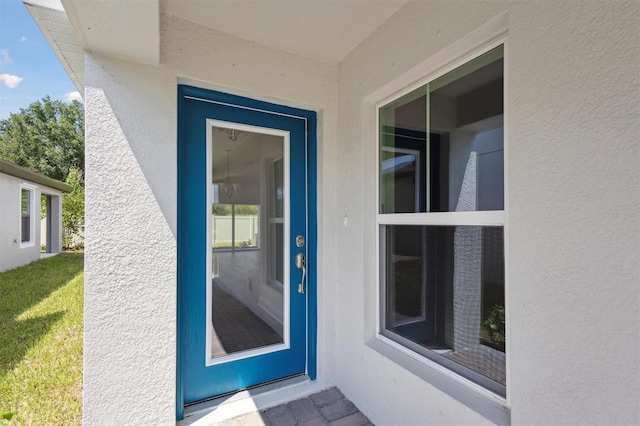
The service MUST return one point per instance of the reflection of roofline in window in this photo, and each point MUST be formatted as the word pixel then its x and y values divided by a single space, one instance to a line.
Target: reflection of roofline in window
pixel 402 163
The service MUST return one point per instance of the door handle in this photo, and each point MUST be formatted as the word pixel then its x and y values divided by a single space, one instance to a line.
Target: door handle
pixel 301 264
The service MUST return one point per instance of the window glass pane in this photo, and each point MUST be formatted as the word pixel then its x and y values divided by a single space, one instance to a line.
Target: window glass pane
pixel 441 146
pixel 26 202
pixel 443 292
pixel 246 226
pixel 278 188
pixel 276 223
pixel 403 154
pixel 278 259
pixel 221 226
pixel 239 230
pixel 25 208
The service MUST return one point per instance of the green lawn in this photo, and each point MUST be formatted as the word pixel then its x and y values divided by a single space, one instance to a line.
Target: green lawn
pixel 41 342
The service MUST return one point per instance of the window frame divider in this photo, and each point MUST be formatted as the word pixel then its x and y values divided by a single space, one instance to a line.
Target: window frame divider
pixel 469 218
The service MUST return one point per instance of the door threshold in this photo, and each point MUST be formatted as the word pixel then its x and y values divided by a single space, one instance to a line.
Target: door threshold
pixel 245 401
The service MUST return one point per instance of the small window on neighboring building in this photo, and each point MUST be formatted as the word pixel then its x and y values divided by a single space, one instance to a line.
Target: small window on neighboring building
pixel 441 221
pixel 27 217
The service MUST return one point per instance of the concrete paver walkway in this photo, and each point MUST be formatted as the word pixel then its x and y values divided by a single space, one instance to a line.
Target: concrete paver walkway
pixel 328 407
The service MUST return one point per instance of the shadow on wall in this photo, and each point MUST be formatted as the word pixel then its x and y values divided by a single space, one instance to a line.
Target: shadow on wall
pixel 146 150
pixel 20 289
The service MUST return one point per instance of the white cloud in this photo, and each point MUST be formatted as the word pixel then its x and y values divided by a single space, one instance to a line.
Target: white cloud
pixel 23 38
pixel 10 80
pixel 4 57
pixel 74 96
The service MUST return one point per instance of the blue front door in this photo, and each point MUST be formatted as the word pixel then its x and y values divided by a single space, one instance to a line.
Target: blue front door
pixel 246 243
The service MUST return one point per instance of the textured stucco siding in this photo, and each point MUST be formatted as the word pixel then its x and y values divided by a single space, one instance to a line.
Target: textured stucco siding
pixel 574 196
pixel 130 250
pixel 130 243
pixel 573 228
pixel 11 254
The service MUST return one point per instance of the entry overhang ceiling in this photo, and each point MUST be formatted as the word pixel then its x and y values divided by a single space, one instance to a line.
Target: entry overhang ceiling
pixel 323 30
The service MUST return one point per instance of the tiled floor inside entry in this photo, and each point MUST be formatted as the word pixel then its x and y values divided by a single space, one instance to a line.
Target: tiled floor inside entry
pixel 236 328
pixel 328 407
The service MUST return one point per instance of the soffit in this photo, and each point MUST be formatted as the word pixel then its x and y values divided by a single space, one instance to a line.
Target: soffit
pixel 122 29
pixel 323 30
pixel 55 26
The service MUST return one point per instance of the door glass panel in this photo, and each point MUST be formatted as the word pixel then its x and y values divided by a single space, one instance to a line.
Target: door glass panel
pixel 247 300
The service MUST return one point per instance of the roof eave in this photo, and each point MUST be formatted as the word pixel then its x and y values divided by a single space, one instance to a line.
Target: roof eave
pixel 57 29
pixel 14 170
pixel 124 30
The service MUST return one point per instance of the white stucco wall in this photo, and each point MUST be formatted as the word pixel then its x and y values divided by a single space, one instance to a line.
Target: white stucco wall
pixel 574 193
pixel 130 243
pixel 572 210
pixel 12 252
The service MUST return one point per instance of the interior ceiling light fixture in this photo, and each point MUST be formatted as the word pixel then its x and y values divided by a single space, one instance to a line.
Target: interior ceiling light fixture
pixel 232 134
pixel 229 188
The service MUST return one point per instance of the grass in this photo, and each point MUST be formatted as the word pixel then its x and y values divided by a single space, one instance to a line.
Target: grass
pixel 41 342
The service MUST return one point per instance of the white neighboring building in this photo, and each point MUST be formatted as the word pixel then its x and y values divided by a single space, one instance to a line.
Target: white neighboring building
pixel 162 79
pixel 21 194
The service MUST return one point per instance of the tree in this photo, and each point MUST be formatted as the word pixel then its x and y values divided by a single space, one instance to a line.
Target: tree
pixel 48 137
pixel 73 209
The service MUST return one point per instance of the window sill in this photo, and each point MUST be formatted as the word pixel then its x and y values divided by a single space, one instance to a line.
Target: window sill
pixel 27 245
pixel 485 403
pixel 230 250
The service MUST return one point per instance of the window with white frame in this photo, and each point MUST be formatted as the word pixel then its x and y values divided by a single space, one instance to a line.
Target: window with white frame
pixel 276 220
pixel 27 215
pixel 441 220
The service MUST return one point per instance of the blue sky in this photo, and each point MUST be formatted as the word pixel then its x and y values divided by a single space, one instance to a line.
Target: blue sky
pixel 29 70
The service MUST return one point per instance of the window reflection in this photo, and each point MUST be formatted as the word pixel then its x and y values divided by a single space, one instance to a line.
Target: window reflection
pixel 445 292
pixel 454 128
